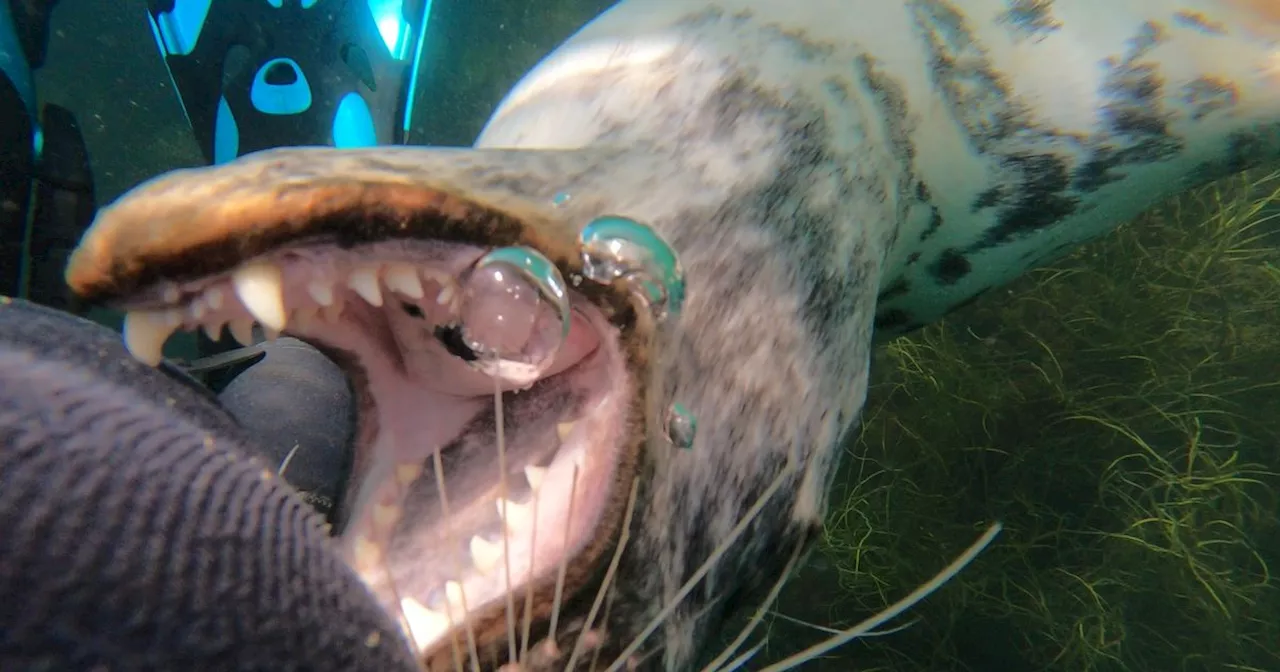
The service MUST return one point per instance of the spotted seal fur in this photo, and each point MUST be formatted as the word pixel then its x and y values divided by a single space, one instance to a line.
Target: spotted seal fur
pixel 828 172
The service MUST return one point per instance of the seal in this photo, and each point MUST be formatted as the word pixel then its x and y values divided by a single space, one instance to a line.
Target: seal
pixel 825 172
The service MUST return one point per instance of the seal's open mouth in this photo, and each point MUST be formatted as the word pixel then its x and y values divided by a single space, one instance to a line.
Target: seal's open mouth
pixel 472 494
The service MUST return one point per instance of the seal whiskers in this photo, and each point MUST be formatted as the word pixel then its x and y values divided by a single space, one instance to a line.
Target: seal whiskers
pixel 862 629
pixel 586 631
pixel 438 462
pixel 504 499
pixel 757 617
pixel 911 599
pixel 702 570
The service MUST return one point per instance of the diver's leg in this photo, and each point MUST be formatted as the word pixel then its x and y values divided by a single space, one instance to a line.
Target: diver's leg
pixel 138 535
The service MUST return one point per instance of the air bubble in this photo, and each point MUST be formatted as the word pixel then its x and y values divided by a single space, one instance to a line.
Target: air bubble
pixel 681 427
pixel 616 248
pixel 514 314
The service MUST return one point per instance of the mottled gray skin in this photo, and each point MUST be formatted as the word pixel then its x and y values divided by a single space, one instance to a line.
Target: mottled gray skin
pixel 830 172
pixel 830 165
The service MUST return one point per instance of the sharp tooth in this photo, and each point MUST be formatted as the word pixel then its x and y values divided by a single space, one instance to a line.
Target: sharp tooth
pixel 425 625
pixel 214 298
pixel 365 283
pixel 145 332
pixel 197 310
pixel 259 287
pixel 384 515
pixel 516 516
pixel 445 295
pixel 241 330
pixel 321 290
pixel 408 472
pixel 563 430
pixel 535 474
pixel 403 278
pixel 368 556
pixel 453 593
pixel 485 554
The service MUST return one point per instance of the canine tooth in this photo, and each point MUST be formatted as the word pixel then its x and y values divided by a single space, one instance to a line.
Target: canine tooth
pixel 321 291
pixel 535 474
pixel 403 278
pixel 445 295
pixel 365 283
pixel 425 625
pixel 384 515
pixel 241 330
pixel 408 472
pixel 453 593
pixel 213 298
pixel 563 430
pixel 368 556
pixel 145 332
pixel 259 286
pixel 516 516
pixel 485 554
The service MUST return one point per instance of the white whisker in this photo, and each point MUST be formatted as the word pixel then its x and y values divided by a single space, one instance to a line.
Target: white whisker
pixel 623 538
pixel 400 614
pixel 836 631
pixel 284 464
pixel 453 638
pixel 716 554
pixel 761 612
pixel 453 543
pixel 807 624
pixel 527 618
pixel 746 657
pixel 564 562
pixel 604 618
pixel 500 422
pixel 913 598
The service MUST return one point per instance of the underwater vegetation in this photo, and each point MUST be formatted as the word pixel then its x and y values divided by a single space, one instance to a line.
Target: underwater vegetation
pixel 1120 413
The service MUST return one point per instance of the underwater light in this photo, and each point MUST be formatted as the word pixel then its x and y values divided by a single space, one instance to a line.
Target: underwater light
pixel 388 15
pixel 415 66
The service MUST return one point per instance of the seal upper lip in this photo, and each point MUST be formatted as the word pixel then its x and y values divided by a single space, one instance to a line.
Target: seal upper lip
pixel 447 532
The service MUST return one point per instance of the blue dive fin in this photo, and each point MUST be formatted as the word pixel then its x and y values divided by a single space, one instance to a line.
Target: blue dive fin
pixel 256 74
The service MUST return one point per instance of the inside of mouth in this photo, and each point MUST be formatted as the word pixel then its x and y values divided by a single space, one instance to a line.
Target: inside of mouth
pixel 467 492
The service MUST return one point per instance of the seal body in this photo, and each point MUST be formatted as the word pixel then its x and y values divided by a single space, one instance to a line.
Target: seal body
pixel 829 172
pixel 833 172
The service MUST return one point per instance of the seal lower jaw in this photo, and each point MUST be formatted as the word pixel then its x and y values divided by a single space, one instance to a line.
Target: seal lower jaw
pixel 449 522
